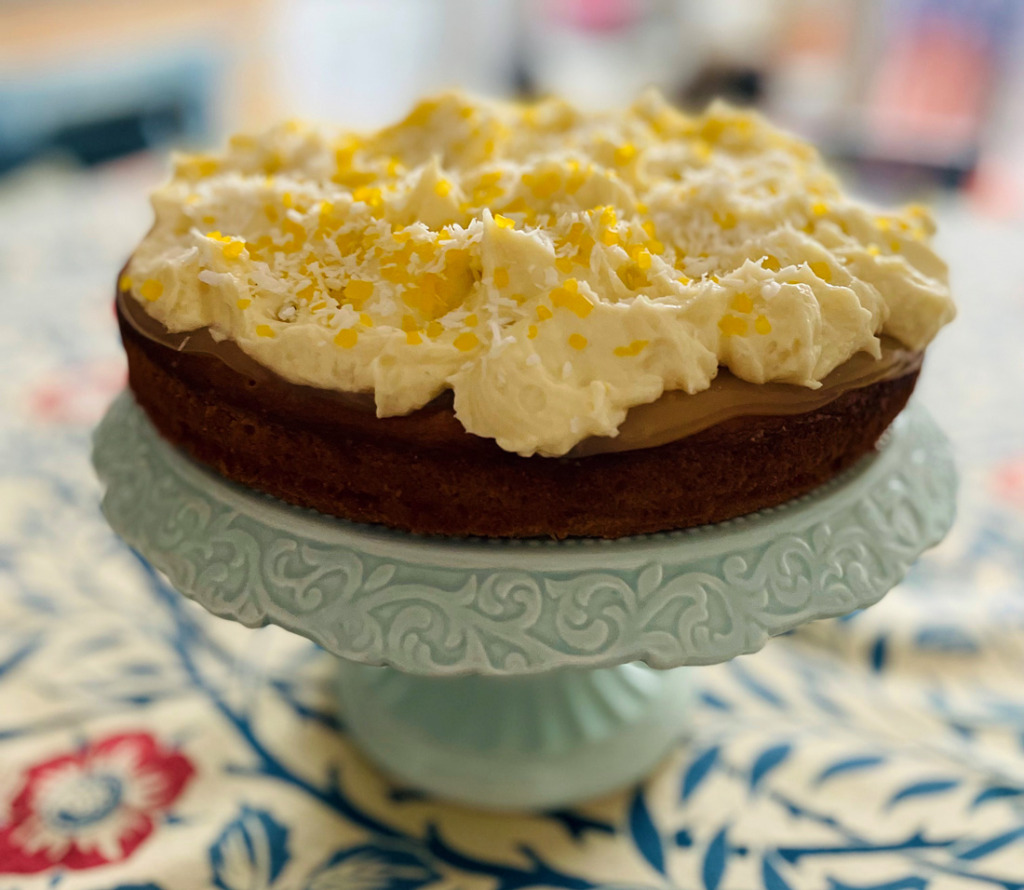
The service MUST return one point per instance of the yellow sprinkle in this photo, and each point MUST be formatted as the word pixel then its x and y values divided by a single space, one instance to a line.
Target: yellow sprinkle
pixel 643 258
pixel 200 165
pixel 503 222
pixel 264 330
pixel 771 263
pixel 288 200
pixel 243 303
pixel 409 323
pixel 368 195
pixel 762 325
pixel 641 207
pixel 634 348
pixel 819 208
pixel 531 331
pixel 726 220
pixel 874 250
pixel 730 326
pixel 543 185
pixel 682 279
pixel 625 153
pixel 471 321
pixel 413 338
pixel 567 296
pixel 346 339
pixel 151 290
pixel 883 223
pixel 631 276
pixel 577 341
pixel 316 307
pixel 192 199
pixel 435 329
pixel 543 313
pixel 564 264
pixel 655 246
pixel 742 303
pixel 124 283
pixel 702 149
pixel 822 269
pixel 610 237
pixel 465 342
pixel 442 188
pixel 242 141
pixel 501 277
pixel 608 217
pixel 894 246
pixel 365 319
pixel 357 291
pixel 217 236
pixel 233 250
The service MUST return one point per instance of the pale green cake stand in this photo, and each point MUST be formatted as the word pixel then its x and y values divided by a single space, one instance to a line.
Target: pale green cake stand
pixel 524 673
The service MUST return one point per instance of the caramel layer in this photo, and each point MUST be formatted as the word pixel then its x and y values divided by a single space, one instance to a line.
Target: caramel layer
pixel 674 416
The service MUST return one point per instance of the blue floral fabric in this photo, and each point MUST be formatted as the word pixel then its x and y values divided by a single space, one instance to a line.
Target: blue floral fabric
pixel 146 744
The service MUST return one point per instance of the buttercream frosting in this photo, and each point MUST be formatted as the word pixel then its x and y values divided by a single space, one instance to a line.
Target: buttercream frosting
pixel 552 268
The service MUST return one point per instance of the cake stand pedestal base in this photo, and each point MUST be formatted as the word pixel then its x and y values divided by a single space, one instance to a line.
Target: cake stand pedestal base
pixel 535 741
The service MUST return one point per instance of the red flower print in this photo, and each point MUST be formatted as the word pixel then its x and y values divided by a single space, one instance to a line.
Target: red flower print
pixel 92 807
pixel 1008 481
pixel 78 394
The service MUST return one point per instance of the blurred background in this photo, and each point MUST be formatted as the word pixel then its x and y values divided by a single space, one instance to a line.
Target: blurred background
pixel 909 94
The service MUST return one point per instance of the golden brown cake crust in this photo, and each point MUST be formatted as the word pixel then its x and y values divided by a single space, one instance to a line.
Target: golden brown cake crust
pixel 423 473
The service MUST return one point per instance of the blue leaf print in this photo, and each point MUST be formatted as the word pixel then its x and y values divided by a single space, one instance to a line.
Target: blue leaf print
pixel 767 761
pixel 772 879
pixel 945 638
pixel 250 852
pixel 879 654
pixel 577 824
pixel 754 686
pixel 384 866
pixel 9 663
pixel 911 883
pixel 645 835
pixel 851 763
pixel 715 860
pixel 996 792
pixel 713 701
pixel 698 771
pixel 991 845
pixel 933 786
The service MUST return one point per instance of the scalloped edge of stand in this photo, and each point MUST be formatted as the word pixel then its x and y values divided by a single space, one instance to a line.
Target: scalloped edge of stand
pixel 457 606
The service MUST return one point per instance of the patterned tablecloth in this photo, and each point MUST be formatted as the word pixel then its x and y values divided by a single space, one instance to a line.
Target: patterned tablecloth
pixel 145 744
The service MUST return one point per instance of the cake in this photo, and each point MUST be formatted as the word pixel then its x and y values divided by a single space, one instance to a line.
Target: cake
pixel 526 320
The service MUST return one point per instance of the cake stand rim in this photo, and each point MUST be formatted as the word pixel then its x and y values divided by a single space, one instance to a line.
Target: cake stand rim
pixel 649 555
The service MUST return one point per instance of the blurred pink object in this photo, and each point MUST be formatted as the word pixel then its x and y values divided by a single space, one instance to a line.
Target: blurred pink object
pixel 597 15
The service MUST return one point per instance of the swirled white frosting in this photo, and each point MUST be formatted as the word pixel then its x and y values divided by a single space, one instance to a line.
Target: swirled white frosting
pixel 553 268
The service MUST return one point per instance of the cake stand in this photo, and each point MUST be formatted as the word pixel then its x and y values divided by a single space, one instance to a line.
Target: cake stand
pixel 524 674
